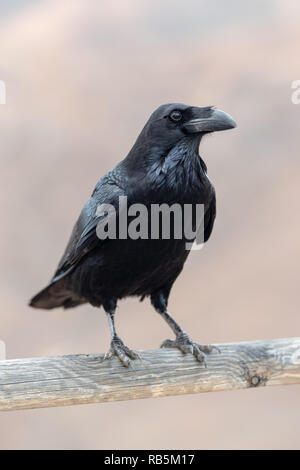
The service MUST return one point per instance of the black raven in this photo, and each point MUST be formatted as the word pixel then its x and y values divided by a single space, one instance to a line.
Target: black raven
pixel 163 167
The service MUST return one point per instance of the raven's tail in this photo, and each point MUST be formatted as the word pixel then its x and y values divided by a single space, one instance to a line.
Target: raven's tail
pixel 56 295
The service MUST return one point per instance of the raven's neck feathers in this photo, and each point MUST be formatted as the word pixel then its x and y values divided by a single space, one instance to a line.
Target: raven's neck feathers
pixel 178 172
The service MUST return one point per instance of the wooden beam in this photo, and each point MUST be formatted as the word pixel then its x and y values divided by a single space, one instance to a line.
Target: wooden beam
pixel 79 379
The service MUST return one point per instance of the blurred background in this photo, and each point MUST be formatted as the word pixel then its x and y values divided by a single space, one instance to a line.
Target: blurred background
pixel 82 77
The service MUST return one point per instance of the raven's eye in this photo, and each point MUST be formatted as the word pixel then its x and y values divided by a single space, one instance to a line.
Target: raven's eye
pixel 175 116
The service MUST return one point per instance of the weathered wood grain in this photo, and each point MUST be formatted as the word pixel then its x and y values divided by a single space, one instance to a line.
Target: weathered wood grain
pixel 79 379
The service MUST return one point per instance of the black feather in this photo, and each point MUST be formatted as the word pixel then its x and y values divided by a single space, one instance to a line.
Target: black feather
pixel 163 167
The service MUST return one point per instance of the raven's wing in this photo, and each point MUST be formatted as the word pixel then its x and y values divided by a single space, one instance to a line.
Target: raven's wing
pixel 209 218
pixel 84 237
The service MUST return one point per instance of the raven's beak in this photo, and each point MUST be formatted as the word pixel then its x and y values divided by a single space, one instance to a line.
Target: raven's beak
pixel 210 121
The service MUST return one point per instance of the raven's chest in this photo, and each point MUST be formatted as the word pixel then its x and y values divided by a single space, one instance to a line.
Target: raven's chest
pixel 181 180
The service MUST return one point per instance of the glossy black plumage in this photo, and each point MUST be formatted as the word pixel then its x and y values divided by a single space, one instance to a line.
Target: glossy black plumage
pixel 163 166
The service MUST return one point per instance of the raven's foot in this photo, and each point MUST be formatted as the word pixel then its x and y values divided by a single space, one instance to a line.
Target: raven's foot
pixel 187 346
pixel 119 349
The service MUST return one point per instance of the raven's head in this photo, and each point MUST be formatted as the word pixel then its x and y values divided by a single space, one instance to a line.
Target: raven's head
pixel 171 122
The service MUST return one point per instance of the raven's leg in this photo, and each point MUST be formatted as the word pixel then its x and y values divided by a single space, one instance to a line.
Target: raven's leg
pixel 117 347
pixel 182 341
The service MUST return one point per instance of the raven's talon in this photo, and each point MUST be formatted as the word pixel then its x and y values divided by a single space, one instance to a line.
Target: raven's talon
pixel 208 348
pixel 168 343
pixel 107 355
pixel 187 346
pixel 120 350
pixel 138 356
